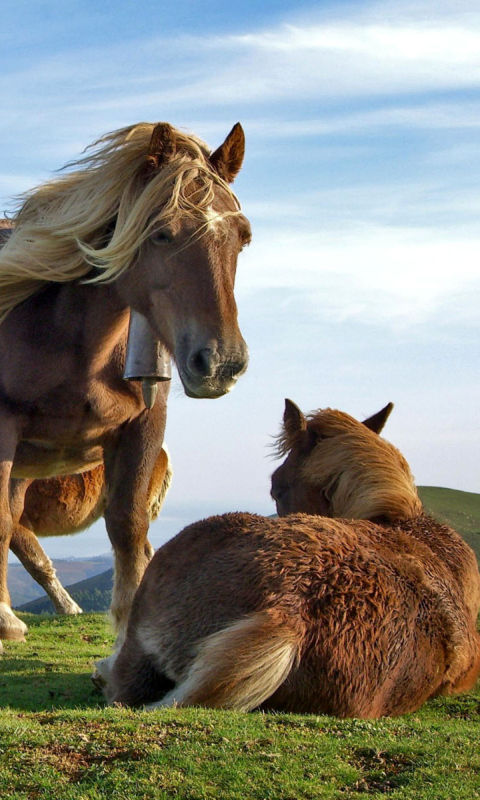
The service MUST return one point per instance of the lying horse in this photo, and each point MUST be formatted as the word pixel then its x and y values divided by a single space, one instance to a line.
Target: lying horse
pixel 146 221
pixel 68 504
pixel 363 607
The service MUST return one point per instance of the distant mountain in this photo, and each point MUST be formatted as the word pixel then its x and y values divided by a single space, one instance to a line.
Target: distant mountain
pixel 92 594
pixel 461 510
pixel 70 571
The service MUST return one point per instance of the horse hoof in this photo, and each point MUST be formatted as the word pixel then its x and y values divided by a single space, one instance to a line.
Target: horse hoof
pixel 11 627
pixel 69 609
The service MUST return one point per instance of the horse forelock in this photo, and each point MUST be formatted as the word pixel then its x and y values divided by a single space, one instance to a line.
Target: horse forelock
pixel 362 475
pixel 61 226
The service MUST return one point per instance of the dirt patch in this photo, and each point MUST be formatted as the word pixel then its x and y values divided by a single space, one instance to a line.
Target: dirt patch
pixel 383 771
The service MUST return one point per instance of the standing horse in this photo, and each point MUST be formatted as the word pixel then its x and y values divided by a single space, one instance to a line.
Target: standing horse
pixel 366 615
pixel 145 221
pixel 66 505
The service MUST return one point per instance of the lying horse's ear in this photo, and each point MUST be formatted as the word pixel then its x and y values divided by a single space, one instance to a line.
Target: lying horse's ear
pixel 294 421
pixel 378 420
pixel 162 146
pixel 228 158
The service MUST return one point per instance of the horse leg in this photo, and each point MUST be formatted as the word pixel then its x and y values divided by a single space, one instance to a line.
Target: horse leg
pixel 12 495
pixel 128 470
pixel 25 545
pixel 127 522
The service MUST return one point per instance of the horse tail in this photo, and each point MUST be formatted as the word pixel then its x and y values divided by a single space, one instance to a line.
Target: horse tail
pixel 240 666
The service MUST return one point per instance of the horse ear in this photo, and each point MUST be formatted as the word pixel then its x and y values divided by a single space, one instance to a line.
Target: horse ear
pixel 294 421
pixel 378 420
pixel 227 160
pixel 162 145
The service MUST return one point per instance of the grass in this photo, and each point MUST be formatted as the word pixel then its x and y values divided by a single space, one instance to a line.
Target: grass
pixel 57 740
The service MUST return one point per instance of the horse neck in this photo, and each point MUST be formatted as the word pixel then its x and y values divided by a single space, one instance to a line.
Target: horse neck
pixel 100 318
pixel 87 321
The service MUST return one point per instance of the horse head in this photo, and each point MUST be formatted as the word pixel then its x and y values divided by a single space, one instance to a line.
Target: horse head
pixel 339 467
pixel 182 279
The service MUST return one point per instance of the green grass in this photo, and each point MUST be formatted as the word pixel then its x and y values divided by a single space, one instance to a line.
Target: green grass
pixel 57 740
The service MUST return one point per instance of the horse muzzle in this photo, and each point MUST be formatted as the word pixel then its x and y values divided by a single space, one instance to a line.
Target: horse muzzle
pixel 207 372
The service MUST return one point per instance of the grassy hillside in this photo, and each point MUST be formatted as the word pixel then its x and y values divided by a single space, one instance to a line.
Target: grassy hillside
pixel 58 741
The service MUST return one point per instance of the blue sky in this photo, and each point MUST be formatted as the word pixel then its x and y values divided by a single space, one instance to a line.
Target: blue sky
pixel 361 180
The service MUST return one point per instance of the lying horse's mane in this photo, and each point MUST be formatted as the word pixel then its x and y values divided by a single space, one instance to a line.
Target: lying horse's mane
pixel 362 475
pixel 61 227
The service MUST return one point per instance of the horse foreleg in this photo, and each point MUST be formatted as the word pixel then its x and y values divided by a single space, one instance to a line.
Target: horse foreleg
pixel 129 469
pixel 25 545
pixel 132 553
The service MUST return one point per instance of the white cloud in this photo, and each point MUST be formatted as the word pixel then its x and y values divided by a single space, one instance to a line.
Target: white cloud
pixel 396 277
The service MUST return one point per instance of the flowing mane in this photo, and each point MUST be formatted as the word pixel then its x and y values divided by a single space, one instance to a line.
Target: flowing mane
pixel 362 475
pixel 98 214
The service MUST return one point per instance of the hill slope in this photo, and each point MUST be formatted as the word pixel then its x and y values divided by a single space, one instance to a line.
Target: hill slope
pixel 92 594
pixel 70 571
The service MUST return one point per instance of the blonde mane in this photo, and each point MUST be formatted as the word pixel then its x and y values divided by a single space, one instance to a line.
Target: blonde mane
pixel 61 228
pixel 362 475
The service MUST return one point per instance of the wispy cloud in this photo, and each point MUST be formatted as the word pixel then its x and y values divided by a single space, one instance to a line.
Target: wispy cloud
pixel 424 115
pixel 364 56
pixel 393 277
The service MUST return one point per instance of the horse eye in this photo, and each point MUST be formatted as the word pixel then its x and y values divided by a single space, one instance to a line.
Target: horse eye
pixel 161 236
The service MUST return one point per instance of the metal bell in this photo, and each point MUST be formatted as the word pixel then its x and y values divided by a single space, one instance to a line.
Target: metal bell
pixel 147 360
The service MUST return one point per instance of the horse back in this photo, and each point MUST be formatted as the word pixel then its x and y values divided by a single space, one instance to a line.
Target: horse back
pixel 453 559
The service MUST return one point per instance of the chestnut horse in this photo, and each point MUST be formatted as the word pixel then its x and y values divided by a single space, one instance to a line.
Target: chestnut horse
pixel 362 607
pixel 66 505
pixel 145 221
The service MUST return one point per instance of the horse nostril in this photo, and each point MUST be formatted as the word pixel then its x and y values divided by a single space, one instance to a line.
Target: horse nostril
pixel 208 363
pixel 202 362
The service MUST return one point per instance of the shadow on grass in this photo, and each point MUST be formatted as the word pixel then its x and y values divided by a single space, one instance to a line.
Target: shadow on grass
pixel 52 668
pixel 32 685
